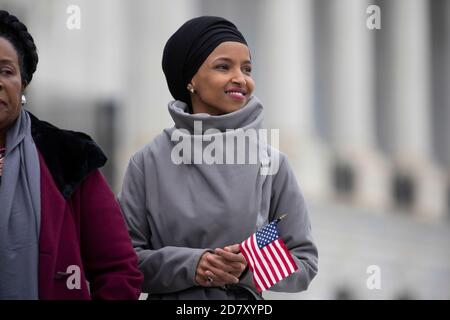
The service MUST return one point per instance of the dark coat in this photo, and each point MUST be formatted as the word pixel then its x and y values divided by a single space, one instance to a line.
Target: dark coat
pixel 82 228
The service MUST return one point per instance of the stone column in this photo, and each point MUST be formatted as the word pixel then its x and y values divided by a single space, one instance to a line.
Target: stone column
pixel 149 24
pixel 284 71
pixel 348 95
pixel 441 83
pixel 407 98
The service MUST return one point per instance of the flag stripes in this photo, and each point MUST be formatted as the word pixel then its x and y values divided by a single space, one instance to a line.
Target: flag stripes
pixel 268 257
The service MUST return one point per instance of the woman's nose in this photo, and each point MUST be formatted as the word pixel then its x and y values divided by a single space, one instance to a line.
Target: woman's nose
pixel 238 78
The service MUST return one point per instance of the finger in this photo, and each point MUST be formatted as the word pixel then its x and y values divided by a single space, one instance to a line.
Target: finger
pixel 221 276
pixel 201 280
pixel 207 262
pixel 237 272
pixel 221 263
pixel 216 261
pixel 217 282
pixel 209 277
pixel 213 280
pixel 202 266
pixel 237 267
pixel 233 268
pixel 205 278
pixel 223 271
pixel 235 248
pixel 233 257
pixel 204 260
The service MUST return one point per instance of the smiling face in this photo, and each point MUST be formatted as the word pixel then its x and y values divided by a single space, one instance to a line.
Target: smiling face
pixel 10 85
pixel 223 83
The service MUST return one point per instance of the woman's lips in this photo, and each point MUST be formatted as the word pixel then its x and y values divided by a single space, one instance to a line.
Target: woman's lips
pixel 238 96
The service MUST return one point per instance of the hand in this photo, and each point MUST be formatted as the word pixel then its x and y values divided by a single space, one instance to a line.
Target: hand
pixel 214 270
pixel 235 260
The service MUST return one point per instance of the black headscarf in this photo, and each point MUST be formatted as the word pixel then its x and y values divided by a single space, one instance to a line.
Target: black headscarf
pixel 188 48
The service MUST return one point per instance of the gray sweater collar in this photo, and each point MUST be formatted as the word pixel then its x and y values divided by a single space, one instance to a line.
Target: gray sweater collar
pixel 249 116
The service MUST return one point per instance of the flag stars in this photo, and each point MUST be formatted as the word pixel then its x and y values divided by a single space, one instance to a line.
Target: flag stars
pixel 266 235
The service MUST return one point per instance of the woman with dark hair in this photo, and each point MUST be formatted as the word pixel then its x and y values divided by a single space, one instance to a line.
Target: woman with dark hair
pixel 187 215
pixel 62 235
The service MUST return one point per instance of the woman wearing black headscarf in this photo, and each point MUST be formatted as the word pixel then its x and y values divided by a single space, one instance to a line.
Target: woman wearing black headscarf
pixel 186 210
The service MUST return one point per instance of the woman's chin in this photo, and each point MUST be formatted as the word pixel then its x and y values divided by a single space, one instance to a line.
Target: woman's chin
pixel 233 107
pixel 231 110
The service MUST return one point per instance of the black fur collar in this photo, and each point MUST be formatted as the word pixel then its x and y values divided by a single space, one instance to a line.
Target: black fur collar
pixel 69 155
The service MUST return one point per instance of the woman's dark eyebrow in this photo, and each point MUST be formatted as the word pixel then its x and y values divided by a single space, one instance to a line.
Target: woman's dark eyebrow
pixel 230 60
pixel 6 61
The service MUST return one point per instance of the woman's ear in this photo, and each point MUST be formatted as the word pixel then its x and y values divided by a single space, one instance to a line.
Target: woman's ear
pixel 193 82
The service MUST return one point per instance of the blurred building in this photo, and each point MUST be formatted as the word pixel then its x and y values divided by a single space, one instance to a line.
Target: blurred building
pixel 363 115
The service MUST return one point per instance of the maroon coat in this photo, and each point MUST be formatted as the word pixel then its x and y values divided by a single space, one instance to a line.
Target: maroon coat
pixel 82 227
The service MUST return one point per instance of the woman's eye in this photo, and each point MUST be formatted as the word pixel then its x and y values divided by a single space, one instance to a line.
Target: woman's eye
pixel 5 71
pixel 247 69
pixel 222 67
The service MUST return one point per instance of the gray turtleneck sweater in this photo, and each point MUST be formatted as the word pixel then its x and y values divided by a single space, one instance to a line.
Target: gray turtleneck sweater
pixel 176 211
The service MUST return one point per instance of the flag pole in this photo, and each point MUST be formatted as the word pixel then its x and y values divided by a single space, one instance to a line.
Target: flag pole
pixel 281 218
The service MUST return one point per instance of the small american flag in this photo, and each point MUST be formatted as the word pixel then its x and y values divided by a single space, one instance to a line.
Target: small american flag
pixel 268 257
